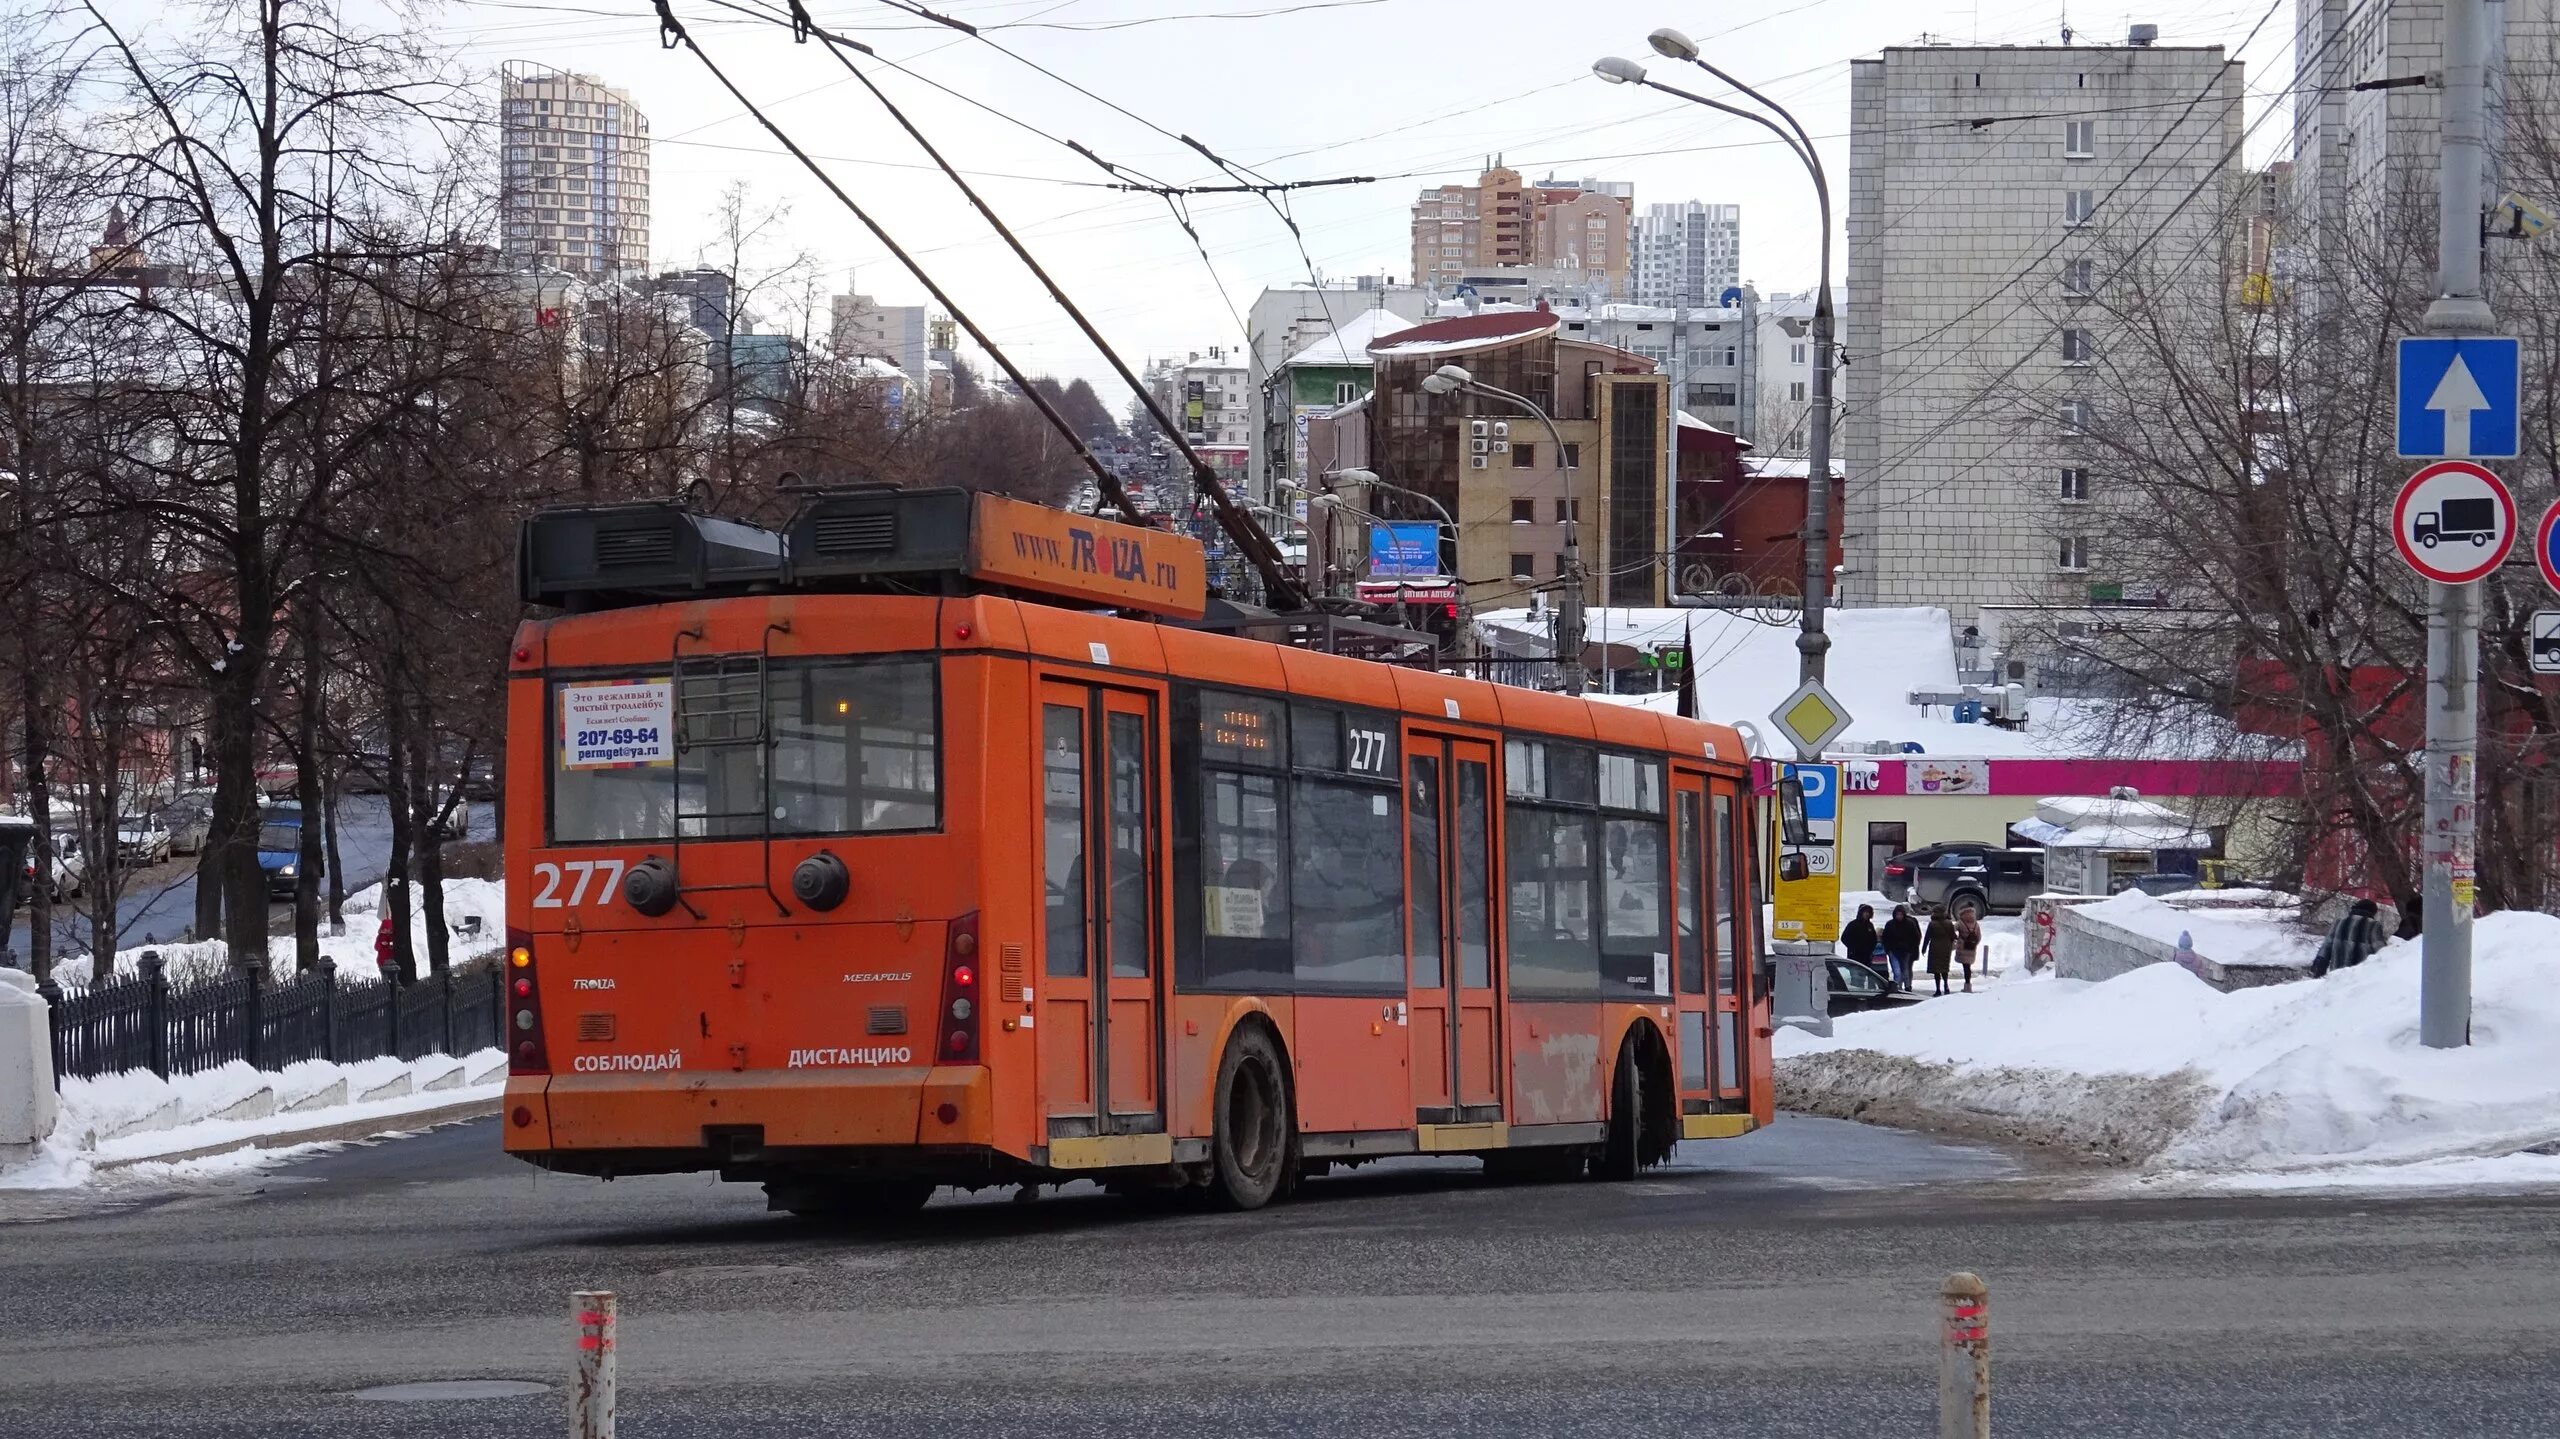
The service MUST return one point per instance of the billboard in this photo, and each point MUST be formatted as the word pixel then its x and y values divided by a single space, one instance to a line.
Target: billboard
pixel 1404 551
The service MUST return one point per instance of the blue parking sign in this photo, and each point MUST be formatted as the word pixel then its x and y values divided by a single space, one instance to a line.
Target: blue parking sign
pixel 2459 397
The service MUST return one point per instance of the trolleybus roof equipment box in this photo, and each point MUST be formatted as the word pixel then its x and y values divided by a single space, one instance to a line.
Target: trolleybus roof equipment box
pixel 595 556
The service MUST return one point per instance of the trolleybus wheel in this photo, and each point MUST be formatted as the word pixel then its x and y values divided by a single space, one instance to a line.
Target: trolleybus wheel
pixel 1637 1137
pixel 1252 1152
pixel 848 1201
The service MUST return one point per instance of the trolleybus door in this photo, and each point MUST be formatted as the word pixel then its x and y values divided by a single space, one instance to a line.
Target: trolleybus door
pixel 1101 875
pixel 1729 929
pixel 1692 959
pixel 1457 1030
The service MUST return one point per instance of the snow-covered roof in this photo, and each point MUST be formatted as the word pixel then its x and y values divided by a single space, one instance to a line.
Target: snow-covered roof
pixel 2085 821
pixel 1747 665
pixel 1783 467
pixel 1691 422
pixel 1459 334
pixel 1349 344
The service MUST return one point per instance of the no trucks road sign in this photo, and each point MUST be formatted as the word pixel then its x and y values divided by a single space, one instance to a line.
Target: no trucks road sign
pixel 2454 522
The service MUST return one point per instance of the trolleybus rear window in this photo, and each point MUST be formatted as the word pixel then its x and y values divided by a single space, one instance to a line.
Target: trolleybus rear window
pixel 736 748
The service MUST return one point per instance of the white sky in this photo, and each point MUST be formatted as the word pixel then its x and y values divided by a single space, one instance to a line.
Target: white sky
pixel 1417 90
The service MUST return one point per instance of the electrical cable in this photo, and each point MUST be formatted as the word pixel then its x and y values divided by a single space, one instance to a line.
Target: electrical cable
pixel 1258 546
pixel 673 33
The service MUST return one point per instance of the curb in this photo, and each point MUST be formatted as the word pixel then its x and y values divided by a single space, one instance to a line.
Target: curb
pixel 344 1129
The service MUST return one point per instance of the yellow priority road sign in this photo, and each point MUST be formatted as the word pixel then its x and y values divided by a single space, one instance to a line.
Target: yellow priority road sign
pixel 1810 718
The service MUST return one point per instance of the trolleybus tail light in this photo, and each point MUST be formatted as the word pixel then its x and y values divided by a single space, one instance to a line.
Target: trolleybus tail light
pixel 962 1001
pixel 522 1015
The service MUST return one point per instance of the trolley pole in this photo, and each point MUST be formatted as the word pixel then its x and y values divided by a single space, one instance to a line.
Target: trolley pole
pixel 591 1394
pixel 1964 1358
pixel 2461 307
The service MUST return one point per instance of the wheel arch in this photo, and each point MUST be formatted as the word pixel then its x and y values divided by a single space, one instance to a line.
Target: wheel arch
pixel 1246 1010
pixel 1642 1037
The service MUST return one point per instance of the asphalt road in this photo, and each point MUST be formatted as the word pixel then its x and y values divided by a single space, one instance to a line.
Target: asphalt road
pixel 1779 1285
pixel 159 903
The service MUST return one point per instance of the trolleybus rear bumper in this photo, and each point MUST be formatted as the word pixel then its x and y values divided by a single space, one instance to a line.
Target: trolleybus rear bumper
pixel 676 1121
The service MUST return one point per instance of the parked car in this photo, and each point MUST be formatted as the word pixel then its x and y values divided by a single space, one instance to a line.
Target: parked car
pixel 141 841
pixel 1856 986
pixel 1902 871
pixel 70 866
pixel 367 772
pixel 1997 883
pixel 280 850
pixel 2158 882
pixel 188 819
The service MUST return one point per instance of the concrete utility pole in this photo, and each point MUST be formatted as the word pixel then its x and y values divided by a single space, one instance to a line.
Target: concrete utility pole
pixel 2461 307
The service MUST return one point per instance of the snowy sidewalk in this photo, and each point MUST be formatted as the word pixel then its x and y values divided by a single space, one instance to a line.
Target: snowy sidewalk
pixel 2313 1083
pixel 138 1121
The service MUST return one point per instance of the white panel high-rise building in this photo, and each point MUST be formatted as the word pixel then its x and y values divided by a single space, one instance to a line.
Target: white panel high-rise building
pixel 1689 253
pixel 574 191
pixel 1980 257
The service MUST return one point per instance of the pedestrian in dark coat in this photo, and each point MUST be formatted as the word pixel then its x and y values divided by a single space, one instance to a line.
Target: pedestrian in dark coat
pixel 2352 939
pixel 1968 943
pixel 1941 944
pixel 1901 942
pixel 1858 936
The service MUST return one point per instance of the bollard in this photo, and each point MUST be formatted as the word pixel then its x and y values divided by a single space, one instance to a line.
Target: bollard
pixel 1964 1359
pixel 591 1396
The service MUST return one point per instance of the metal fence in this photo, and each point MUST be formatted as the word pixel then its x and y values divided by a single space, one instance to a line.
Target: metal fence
pixel 145 1022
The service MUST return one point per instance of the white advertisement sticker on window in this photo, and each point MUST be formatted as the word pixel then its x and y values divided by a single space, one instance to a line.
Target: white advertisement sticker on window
pixel 617 724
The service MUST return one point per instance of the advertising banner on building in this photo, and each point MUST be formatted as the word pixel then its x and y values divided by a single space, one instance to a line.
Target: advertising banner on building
pixel 1404 551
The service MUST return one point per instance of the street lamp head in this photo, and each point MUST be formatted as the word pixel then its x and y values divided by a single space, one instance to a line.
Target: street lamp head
pixel 1355 476
pixel 1672 45
pixel 1436 384
pixel 1618 71
pixel 1455 374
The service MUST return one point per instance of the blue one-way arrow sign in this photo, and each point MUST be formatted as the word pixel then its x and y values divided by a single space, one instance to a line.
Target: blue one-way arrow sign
pixel 2459 398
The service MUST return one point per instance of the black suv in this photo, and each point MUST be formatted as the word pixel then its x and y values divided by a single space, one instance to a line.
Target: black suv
pixel 1996 882
pixel 1902 871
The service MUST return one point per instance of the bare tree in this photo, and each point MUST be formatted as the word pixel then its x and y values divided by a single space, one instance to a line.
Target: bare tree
pixel 2237 438
pixel 247 135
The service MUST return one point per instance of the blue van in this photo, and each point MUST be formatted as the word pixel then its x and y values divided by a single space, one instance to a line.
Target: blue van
pixel 280 850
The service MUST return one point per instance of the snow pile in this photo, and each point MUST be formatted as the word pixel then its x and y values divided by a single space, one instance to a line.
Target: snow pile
pixel 465 900
pixel 120 1120
pixel 2157 1069
pixel 2271 933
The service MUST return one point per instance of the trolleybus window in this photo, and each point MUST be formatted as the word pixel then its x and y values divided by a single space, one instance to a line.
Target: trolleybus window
pixel 1245 913
pixel 1725 850
pixel 846 746
pixel 1635 930
pixel 1347 857
pixel 1422 806
pixel 1062 835
pixel 1553 873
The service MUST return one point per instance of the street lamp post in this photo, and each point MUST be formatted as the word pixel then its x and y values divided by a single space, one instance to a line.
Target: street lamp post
pixel 1813 642
pixel 1455 379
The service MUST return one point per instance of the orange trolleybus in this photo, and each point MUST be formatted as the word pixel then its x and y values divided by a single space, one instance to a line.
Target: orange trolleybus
pixel 874 855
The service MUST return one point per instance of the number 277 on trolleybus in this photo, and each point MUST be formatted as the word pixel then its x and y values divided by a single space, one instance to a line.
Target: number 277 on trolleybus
pixel 873 855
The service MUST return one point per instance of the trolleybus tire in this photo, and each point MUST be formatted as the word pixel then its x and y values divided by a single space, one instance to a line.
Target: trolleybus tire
pixel 1253 1153
pixel 848 1201
pixel 1641 1131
